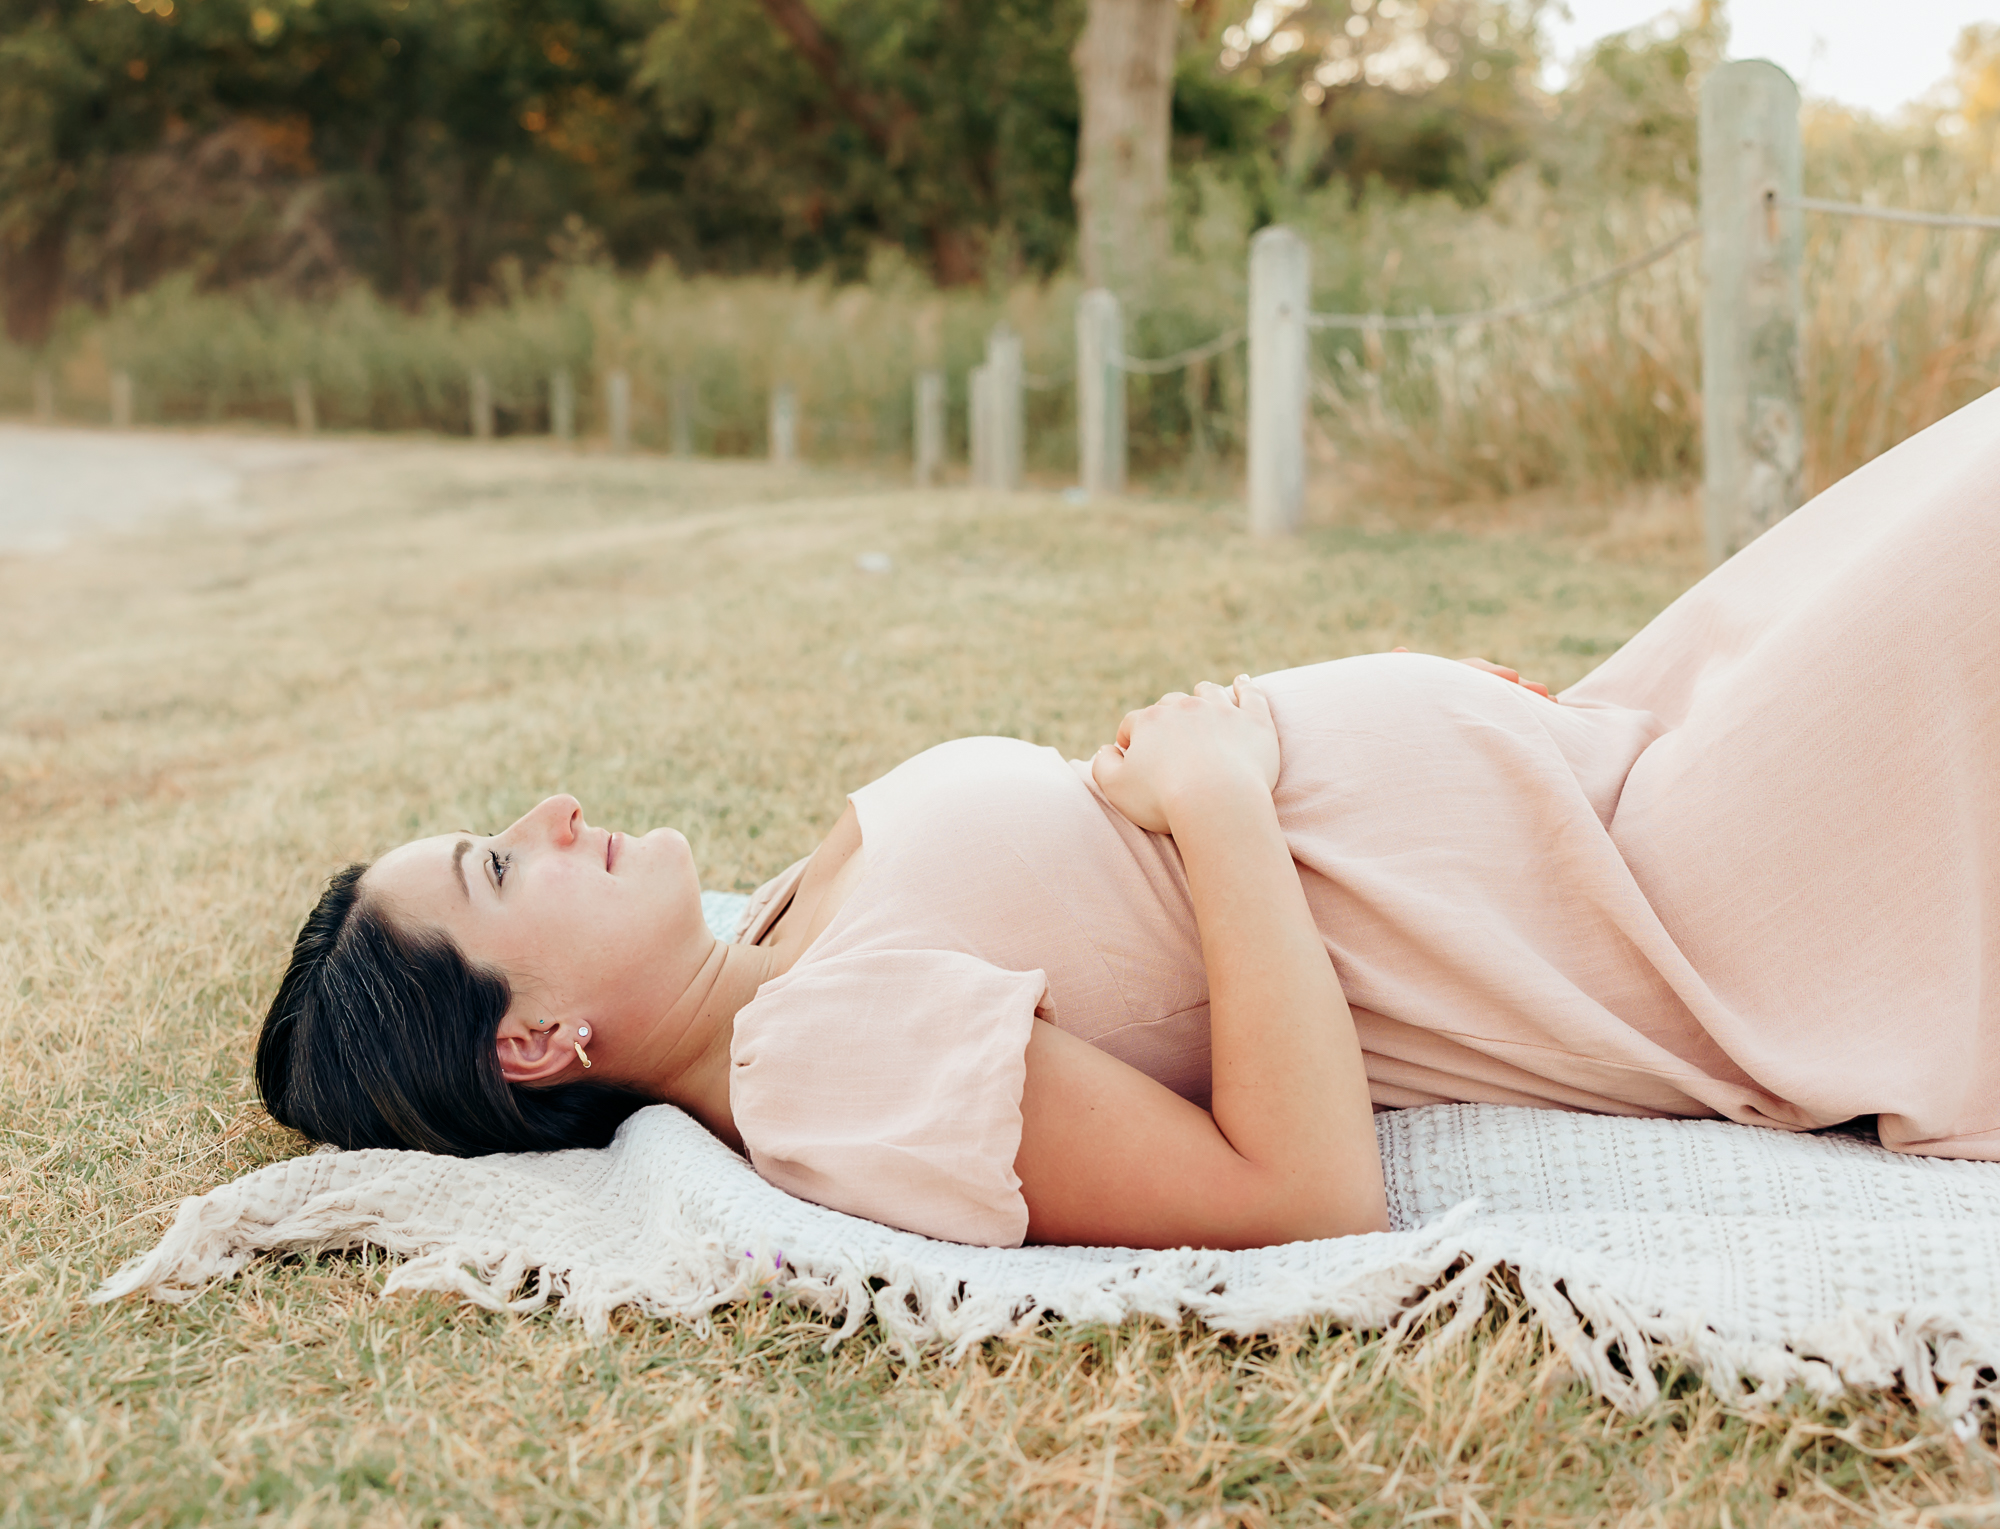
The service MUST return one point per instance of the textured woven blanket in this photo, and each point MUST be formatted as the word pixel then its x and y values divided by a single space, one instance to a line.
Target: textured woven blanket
pixel 1763 1259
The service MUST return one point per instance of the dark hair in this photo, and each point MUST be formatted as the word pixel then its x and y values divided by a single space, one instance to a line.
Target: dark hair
pixel 381 1037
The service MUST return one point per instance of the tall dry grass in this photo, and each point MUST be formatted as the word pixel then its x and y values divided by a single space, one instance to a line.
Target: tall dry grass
pixel 1902 326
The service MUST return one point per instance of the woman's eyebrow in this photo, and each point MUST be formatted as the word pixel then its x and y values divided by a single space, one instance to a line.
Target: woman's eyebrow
pixel 458 866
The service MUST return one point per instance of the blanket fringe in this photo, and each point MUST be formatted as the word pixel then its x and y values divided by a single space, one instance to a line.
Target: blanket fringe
pixel 1943 1363
pixel 655 1244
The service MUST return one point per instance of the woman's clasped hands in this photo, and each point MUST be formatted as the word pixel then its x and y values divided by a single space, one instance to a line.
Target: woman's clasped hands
pixel 1185 749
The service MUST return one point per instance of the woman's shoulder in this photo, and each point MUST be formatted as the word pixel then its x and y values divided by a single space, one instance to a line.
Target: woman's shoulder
pixel 887 1084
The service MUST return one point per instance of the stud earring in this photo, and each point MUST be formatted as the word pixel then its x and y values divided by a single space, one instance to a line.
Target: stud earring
pixel 582 1035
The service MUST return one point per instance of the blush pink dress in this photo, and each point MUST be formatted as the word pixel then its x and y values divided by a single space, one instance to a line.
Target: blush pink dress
pixel 1748 868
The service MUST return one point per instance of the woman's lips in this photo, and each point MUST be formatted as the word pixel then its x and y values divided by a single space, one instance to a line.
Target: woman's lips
pixel 610 849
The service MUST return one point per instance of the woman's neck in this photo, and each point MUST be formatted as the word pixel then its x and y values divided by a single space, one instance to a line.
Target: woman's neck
pixel 694 1072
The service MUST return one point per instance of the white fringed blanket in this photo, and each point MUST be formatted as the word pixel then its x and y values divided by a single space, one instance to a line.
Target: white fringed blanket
pixel 1757 1256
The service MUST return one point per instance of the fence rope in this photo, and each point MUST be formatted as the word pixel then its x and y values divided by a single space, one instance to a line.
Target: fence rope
pixel 1227 340
pixel 1521 310
pixel 1889 214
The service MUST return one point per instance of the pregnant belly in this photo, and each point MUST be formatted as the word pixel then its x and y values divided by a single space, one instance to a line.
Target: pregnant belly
pixel 1452 835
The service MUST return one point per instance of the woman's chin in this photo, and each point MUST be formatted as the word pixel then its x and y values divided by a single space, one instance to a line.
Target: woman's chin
pixel 671 844
pixel 673 857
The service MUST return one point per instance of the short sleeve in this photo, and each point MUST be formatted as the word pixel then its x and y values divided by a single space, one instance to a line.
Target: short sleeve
pixel 887 1084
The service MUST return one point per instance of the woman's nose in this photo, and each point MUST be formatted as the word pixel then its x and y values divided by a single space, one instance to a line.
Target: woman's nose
pixel 555 820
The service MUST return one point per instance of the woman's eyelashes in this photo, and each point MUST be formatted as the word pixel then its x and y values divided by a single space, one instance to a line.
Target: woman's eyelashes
pixel 499 862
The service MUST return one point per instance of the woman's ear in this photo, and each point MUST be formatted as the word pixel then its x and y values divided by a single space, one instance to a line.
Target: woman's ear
pixel 532 1054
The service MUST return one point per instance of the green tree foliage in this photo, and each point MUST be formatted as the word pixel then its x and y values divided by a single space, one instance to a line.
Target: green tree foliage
pixel 1631 117
pixel 82 86
pixel 813 134
pixel 446 133
pixel 411 141
pixel 428 146
pixel 1428 95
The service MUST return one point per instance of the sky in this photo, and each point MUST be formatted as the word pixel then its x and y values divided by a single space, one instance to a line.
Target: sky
pixel 1877 54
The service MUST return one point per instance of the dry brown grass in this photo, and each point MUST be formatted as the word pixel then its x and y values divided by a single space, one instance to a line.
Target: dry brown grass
pixel 198 721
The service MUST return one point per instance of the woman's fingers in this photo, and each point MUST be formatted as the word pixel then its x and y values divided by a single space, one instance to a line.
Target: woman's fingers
pixel 1125 785
pixel 1513 676
pixel 1256 708
pixel 1184 747
pixel 1251 699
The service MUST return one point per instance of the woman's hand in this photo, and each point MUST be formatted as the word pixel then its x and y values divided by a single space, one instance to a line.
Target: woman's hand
pixel 1287 1147
pixel 1183 749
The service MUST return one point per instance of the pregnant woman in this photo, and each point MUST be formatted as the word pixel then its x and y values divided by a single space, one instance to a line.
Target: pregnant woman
pixel 1748 868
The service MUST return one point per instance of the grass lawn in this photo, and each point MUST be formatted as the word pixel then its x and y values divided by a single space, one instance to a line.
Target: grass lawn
pixel 200 720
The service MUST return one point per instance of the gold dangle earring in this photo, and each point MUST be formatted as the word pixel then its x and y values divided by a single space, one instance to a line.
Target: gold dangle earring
pixel 582 1035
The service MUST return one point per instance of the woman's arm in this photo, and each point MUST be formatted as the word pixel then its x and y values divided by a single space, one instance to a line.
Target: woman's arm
pixel 1287 1150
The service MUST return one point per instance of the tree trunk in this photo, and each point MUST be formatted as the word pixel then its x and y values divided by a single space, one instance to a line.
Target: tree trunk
pixel 955 253
pixel 475 175
pixel 1125 79
pixel 882 122
pixel 402 250
pixel 34 280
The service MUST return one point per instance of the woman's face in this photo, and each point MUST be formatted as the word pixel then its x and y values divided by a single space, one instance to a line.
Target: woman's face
pixel 590 927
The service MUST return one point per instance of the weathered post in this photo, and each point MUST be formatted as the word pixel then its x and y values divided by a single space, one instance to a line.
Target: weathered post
pixel 1280 284
pixel 562 405
pixel 682 424
pixel 927 428
pixel 44 385
pixel 1100 393
pixel 784 432
pixel 1004 381
pixel 618 405
pixel 1753 430
pixel 121 400
pixel 305 413
pixel 978 425
pixel 481 401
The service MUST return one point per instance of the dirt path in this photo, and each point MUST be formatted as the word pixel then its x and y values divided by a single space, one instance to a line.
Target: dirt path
pixel 57 482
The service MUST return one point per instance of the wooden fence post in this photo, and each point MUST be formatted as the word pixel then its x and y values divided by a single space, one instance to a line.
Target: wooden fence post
pixel 784 432
pixel 978 424
pixel 618 401
pixel 1100 393
pixel 305 414
pixel 683 417
pixel 43 384
pixel 1003 397
pixel 482 407
pixel 1280 288
pixel 1753 425
pixel 562 405
pixel 121 400
pixel 927 428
